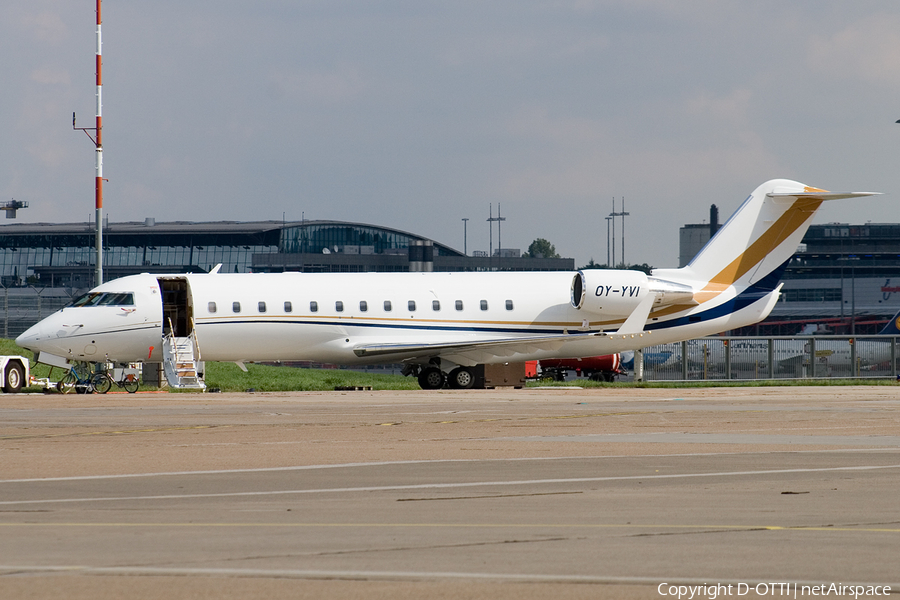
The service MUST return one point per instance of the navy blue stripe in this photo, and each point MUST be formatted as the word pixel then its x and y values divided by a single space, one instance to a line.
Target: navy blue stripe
pixel 754 293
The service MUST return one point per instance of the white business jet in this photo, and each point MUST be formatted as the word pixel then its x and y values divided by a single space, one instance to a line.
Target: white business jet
pixel 439 324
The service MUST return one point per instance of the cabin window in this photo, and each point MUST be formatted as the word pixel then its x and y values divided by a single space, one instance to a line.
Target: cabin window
pixel 236 307
pixel 363 306
pixel 387 306
pixel 484 305
pixel 262 307
pixel 435 305
pixel 211 307
pixel 313 306
pixel 459 305
pixel 509 305
pixel 339 306
pixel 288 307
pixel 411 305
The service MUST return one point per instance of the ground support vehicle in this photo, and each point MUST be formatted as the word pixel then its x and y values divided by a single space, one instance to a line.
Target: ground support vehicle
pixel 16 372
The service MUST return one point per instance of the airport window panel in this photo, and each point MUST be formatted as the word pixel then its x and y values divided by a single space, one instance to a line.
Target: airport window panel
pixel 509 305
pixel 339 306
pixel 288 307
pixel 387 306
pixel 313 306
pixel 484 305
pixel 363 306
pixel 411 305
pixel 211 307
pixel 262 307
pixel 236 307
pixel 459 305
pixel 435 305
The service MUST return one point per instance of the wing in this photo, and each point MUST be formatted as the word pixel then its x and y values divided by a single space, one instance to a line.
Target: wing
pixel 470 353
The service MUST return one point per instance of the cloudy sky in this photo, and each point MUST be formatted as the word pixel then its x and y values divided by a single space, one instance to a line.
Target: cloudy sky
pixel 416 114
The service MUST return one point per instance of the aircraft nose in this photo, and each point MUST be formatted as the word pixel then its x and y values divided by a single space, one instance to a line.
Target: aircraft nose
pixel 32 336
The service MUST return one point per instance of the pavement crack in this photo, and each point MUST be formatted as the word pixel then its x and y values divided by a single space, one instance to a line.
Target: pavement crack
pixel 699 532
pixel 438 546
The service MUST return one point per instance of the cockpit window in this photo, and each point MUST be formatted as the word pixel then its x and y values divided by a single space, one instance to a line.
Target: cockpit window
pixel 104 299
pixel 117 299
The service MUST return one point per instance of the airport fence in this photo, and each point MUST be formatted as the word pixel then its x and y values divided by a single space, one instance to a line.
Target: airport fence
pixel 20 308
pixel 752 358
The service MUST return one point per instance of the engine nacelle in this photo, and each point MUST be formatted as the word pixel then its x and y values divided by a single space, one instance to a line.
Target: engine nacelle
pixel 617 293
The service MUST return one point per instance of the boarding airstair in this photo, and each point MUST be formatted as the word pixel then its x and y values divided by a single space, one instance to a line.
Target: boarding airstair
pixel 181 356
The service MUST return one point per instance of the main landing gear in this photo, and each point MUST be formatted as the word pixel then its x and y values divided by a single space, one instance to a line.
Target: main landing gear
pixel 432 378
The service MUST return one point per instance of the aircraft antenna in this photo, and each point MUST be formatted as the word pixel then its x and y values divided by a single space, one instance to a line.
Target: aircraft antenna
pixel 97 138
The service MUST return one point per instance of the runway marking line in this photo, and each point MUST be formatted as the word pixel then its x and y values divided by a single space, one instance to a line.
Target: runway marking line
pixel 873 450
pixel 712 528
pixel 457 485
pixel 390 575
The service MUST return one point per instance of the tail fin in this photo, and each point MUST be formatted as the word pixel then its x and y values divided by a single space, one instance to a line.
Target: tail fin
pixel 757 240
pixel 892 327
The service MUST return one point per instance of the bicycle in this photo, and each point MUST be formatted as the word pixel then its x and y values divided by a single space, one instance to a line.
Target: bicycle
pixel 77 380
pixel 103 381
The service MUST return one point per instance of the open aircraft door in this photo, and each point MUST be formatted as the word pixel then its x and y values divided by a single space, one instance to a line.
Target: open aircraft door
pixel 178 308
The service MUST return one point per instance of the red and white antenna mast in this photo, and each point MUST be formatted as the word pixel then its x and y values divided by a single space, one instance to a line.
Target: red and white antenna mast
pixel 97 138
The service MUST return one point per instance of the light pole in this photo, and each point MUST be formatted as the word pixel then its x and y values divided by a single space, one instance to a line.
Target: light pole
pixel 491 220
pixel 465 247
pixel 608 219
pixel 612 215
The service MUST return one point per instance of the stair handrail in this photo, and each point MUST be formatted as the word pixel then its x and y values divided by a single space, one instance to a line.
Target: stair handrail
pixel 196 340
pixel 171 337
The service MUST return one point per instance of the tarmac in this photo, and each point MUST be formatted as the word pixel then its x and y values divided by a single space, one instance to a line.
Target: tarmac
pixel 494 494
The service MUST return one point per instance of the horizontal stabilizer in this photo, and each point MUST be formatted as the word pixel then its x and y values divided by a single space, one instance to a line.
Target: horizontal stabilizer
pixel 820 195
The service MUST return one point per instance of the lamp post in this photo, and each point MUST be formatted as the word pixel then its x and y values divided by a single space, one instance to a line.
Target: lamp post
pixel 465 247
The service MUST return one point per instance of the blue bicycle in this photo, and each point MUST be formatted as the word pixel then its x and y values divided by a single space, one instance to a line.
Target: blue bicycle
pixel 77 380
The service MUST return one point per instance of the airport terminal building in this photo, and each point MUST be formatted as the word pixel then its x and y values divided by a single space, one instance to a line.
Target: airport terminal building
pixel 63 255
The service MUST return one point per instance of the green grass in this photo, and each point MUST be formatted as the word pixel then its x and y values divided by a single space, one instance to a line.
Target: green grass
pixel 264 378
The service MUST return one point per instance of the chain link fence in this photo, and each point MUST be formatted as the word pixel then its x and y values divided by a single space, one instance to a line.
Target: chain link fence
pixel 20 308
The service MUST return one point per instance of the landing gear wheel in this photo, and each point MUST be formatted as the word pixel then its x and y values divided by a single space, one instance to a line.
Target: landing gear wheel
pixel 13 378
pixel 462 378
pixel 431 378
